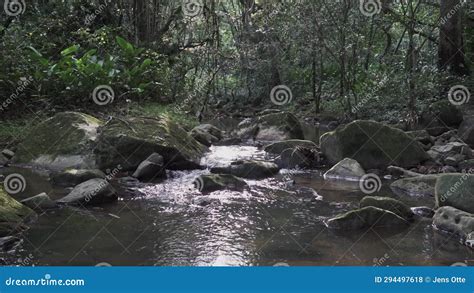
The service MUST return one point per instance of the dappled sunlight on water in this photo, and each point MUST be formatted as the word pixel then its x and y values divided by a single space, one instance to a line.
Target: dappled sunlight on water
pixel 278 220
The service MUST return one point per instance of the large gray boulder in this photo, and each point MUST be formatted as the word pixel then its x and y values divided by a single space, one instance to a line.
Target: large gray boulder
pixel 128 143
pixel 64 141
pixel 250 169
pixel 271 127
pixel 299 157
pixel 374 145
pixel 367 217
pixel 150 169
pixel 456 190
pixel 92 192
pixel 456 222
pixel 347 169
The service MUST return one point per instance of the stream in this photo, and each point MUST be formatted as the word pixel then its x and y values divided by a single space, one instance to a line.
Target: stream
pixel 279 222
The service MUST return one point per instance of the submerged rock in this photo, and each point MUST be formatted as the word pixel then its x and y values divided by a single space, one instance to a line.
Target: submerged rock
pixel 8 154
pixel 250 169
pixel 456 190
pixel 73 177
pixel 271 127
pixel 278 147
pixel 389 204
pixel 206 134
pixel 347 169
pixel 416 186
pixel 455 221
pixel 373 145
pixel 367 217
pixel 13 215
pixel 128 143
pixel 39 202
pixel 92 192
pixel 61 142
pixel 214 182
pixel 151 168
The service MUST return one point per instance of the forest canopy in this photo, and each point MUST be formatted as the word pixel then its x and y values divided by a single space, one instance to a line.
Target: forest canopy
pixel 209 58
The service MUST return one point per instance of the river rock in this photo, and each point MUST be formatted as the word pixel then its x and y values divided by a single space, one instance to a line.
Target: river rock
pixel 206 134
pixel 424 212
pixel 151 168
pixel 422 136
pixel 373 145
pixel 299 157
pixel 250 169
pixel 64 141
pixel 39 202
pixel 128 143
pixel 347 169
pixel 467 166
pixel 455 221
pixel 466 130
pixel 278 147
pixel 442 113
pixel 13 215
pixel 456 190
pixel 416 186
pixel 214 182
pixel 3 160
pixel 366 217
pixel 91 192
pixel 73 177
pixel 389 204
pixel 271 127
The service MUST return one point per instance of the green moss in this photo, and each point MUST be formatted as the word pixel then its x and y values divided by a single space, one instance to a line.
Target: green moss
pixel 67 133
pixel 12 213
pixel 153 109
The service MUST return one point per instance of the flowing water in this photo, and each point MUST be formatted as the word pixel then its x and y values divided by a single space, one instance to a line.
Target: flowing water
pixel 279 221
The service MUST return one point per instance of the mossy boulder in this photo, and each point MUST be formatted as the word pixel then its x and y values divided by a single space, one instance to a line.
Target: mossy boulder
pixel 250 169
pixel 12 215
pixel 389 204
pixel 278 147
pixel 64 141
pixel 456 222
pixel 416 186
pixel 442 113
pixel 271 127
pixel 456 190
pixel 367 217
pixel 374 145
pixel 214 182
pixel 206 134
pixel 129 142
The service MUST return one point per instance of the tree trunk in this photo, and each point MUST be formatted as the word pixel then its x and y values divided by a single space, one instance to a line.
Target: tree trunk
pixel 451 44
